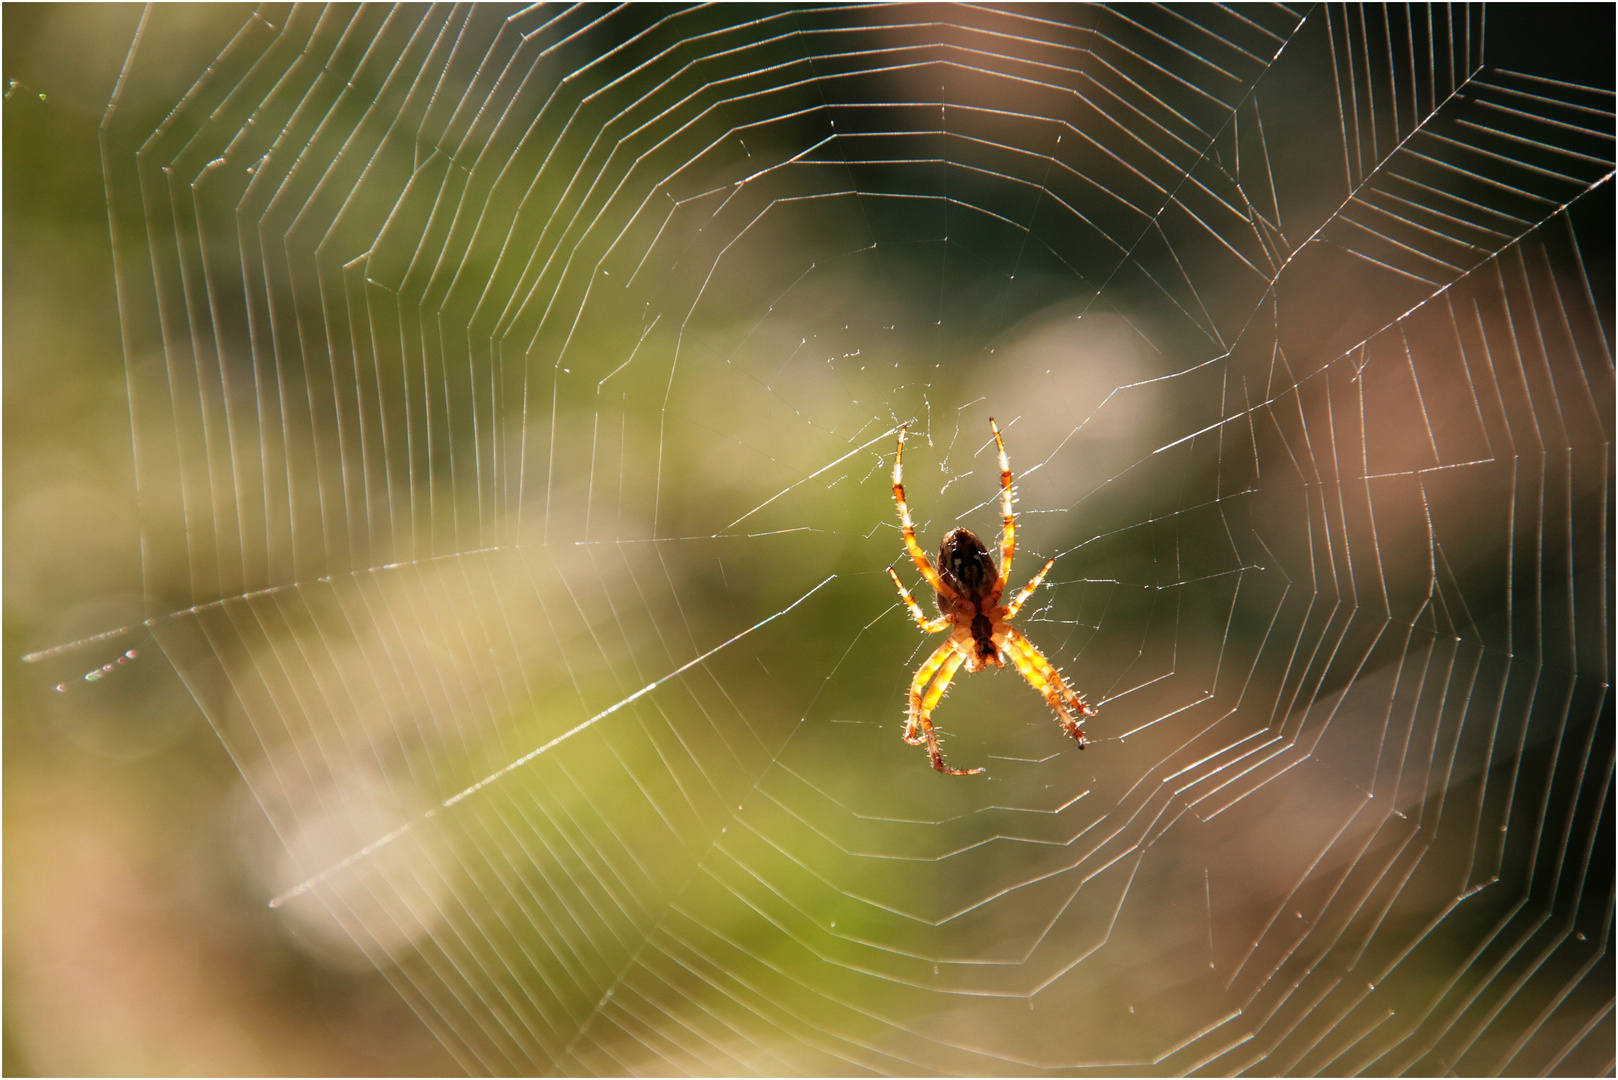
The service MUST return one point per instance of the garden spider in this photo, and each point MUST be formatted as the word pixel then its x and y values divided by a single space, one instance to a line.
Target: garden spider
pixel 969 589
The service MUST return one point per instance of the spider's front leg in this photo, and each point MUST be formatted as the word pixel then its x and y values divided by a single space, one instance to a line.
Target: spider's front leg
pixel 938 669
pixel 1033 666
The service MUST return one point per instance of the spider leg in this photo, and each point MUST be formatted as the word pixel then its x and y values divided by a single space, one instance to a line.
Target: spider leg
pixel 1033 666
pixel 924 675
pixel 928 626
pixel 909 528
pixel 1008 535
pixel 1028 590
pixel 938 669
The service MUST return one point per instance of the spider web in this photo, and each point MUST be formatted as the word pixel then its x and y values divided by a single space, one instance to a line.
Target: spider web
pixel 513 397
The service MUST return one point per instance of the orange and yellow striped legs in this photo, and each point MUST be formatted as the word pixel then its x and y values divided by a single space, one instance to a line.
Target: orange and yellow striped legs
pixel 1033 666
pixel 928 626
pixel 1028 590
pixel 939 669
pixel 1008 534
pixel 916 554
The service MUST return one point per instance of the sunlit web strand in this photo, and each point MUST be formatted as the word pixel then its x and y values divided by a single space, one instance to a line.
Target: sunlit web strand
pixel 273 590
pixel 381 842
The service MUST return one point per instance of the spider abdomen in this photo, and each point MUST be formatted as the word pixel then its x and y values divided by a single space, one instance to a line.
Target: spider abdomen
pixel 967 567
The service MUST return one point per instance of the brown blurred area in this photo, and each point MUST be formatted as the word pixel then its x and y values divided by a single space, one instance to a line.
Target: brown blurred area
pixel 133 940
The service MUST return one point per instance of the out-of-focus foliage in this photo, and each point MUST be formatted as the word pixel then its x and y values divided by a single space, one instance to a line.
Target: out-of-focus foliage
pixel 427 479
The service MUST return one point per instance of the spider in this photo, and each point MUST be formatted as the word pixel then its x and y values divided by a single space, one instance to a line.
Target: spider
pixel 969 590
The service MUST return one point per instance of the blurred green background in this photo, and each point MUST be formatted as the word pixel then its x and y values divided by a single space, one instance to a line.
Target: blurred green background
pixel 135 940
pixel 748 857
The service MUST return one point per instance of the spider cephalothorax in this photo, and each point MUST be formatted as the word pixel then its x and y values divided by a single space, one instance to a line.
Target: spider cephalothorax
pixel 969 588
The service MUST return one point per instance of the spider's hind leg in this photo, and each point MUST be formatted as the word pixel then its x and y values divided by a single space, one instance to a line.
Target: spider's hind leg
pixel 908 527
pixel 1008 528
